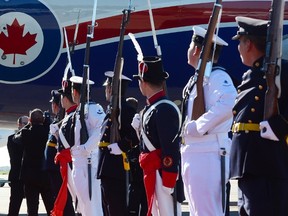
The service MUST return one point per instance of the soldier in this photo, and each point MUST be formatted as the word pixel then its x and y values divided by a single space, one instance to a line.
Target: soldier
pixel 259 160
pixel 50 150
pixel 159 143
pixel 63 204
pixel 137 195
pixel 86 153
pixel 15 151
pixel 206 145
pixel 111 168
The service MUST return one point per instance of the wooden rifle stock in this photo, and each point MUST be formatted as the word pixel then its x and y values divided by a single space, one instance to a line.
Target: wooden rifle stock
pixel 114 130
pixel 199 102
pixel 272 61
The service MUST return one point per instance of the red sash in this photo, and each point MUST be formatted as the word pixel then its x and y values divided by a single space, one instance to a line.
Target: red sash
pixel 150 163
pixel 63 157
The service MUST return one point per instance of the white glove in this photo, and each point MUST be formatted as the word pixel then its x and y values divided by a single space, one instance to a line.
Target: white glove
pixel 78 150
pixel 191 129
pixel 267 132
pixel 114 149
pixel 54 128
pixel 167 190
pixel 136 122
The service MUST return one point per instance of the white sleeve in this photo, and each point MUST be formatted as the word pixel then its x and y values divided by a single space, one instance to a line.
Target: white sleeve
pixel 220 95
pixel 94 121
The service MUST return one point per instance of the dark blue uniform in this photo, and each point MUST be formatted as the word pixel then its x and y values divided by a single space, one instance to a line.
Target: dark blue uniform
pixel 256 162
pixel 110 169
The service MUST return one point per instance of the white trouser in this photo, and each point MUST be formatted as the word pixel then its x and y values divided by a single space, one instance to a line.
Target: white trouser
pixel 201 172
pixel 87 207
pixel 163 202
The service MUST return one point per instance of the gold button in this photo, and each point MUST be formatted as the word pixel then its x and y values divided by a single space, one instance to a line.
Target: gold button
pixel 286 139
pixel 252 109
pixel 257 64
pixel 260 87
pixel 256 98
pixel 234 112
pixel 249 121
pixel 238 91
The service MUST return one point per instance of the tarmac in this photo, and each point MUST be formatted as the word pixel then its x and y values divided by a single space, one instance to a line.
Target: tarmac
pixel 5 193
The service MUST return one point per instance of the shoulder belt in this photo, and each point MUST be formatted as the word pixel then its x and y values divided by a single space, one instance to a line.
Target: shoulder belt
pixel 63 138
pixel 147 142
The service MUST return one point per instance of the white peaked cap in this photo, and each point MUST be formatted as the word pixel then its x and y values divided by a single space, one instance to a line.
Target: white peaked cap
pixel 79 80
pixel 199 31
pixel 111 74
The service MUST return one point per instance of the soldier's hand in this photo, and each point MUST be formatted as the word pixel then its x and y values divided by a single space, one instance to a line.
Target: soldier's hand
pixel 79 150
pixel 136 122
pixel 191 129
pixel 267 132
pixel 54 128
pixel 114 149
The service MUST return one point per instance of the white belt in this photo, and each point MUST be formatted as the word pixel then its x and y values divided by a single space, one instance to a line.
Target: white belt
pixel 204 138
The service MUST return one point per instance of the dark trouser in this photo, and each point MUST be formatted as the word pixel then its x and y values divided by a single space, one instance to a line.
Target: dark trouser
pixel 137 199
pixel 262 196
pixel 114 197
pixel 32 191
pixel 16 197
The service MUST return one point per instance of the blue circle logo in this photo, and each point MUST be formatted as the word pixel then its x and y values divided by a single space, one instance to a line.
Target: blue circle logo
pixel 30 41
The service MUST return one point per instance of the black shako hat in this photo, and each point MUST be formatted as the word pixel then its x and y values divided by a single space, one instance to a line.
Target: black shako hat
pixel 250 26
pixel 55 97
pixel 150 69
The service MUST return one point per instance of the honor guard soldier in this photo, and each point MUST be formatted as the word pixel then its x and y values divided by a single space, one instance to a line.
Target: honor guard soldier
pixel 51 150
pixel 85 155
pixel 64 132
pixel 15 151
pixel 160 123
pixel 206 146
pixel 111 170
pixel 259 159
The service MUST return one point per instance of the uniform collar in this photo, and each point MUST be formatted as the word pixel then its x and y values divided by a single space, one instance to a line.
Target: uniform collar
pixel 258 63
pixel 155 97
pixel 71 109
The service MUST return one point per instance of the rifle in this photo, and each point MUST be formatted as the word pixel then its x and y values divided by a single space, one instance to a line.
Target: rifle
pixel 116 91
pixel 272 60
pixel 199 104
pixel 156 45
pixel 84 96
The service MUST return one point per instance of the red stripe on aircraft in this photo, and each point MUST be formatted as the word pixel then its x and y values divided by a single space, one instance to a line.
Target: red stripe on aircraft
pixel 172 17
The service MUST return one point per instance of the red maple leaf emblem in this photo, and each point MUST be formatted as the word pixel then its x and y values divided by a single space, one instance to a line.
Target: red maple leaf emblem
pixel 15 42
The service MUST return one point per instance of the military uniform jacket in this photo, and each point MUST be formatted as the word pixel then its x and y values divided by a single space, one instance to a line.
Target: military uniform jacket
pixel 161 127
pixel 112 165
pixel 50 152
pixel 250 152
pixel 67 129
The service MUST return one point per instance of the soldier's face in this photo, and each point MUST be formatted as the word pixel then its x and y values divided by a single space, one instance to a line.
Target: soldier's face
pixel 108 92
pixel 243 48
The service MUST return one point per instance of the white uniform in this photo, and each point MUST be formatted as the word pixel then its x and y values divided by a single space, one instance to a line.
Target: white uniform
pixel 80 155
pixel 201 166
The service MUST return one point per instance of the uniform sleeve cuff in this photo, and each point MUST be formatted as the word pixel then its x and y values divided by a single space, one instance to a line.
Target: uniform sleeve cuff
pixel 169 179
